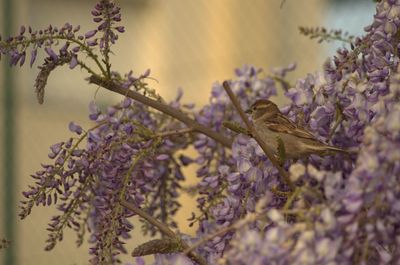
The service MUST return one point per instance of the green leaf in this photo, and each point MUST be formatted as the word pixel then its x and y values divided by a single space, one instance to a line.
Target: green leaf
pixel 281 151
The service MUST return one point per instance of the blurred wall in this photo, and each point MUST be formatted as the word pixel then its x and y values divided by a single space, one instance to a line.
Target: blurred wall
pixel 189 44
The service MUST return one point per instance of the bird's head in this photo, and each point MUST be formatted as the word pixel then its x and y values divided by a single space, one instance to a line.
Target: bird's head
pixel 261 108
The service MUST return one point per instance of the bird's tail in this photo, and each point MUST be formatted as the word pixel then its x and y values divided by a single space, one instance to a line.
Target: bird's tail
pixel 347 151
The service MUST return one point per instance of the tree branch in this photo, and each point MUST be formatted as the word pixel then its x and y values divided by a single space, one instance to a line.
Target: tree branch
pixel 165 230
pixel 256 136
pixel 173 132
pixel 250 217
pixel 177 114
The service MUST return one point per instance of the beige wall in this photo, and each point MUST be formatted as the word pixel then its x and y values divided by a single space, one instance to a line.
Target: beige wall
pixel 186 43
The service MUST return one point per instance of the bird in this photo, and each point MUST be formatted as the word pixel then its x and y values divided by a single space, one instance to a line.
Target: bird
pixel 271 125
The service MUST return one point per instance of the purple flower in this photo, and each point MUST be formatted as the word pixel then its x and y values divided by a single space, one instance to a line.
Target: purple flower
pixel 162 157
pixel 74 62
pixel 92 42
pixel 73 127
pixel 321 119
pixel 185 160
pixel 33 57
pixel 22 59
pixel 51 53
pixel 94 111
pixel 90 34
pixel 97 19
pixel 299 96
pixel 120 29
pixel 22 30
pixel 56 148
pixel 126 103
pixel 282 71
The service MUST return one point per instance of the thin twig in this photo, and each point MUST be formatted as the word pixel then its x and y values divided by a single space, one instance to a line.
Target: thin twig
pixel 235 226
pixel 291 199
pixel 285 84
pixel 110 85
pixel 283 194
pixel 165 230
pixel 256 136
pixel 235 127
pixel 173 132
pixel 162 227
pixel 337 123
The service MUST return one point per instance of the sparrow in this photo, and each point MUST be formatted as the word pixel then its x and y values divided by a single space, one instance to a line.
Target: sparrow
pixel 271 125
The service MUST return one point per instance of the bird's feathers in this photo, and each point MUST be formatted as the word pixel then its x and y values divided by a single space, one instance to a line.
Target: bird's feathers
pixel 266 114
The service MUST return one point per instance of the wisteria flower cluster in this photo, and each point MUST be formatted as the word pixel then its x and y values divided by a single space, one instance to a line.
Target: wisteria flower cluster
pixel 253 208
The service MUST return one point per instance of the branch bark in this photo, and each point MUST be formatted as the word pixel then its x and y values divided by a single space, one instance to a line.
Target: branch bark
pixel 189 252
pixel 112 86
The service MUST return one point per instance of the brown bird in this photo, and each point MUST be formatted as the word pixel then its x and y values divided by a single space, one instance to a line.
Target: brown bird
pixel 271 124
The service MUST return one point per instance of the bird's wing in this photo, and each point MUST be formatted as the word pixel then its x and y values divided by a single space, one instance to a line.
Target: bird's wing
pixel 280 123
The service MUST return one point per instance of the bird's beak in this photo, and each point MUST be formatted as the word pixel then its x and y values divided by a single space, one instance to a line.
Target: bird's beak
pixel 248 111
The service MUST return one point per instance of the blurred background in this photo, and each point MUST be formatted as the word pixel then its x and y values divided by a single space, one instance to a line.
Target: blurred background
pixel 188 44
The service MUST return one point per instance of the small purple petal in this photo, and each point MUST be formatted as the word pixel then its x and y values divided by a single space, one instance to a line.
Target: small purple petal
pixel 73 127
pixel 126 103
pixel 94 137
pixel 97 19
pixel 74 62
pixel 139 261
pixel 94 111
pixel 22 30
pixel 92 42
pixel 117 18
pixel 185 160
pixel 146 73
pixel 244 165
pixel 22 60
pixel 51 53
pixel 76 49
pixel 90 34
pixel 162 157
pixel 120 29
pixel 56 148
pixel 95 13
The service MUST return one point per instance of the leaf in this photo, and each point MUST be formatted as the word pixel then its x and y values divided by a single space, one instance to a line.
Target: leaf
pixel 281 151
